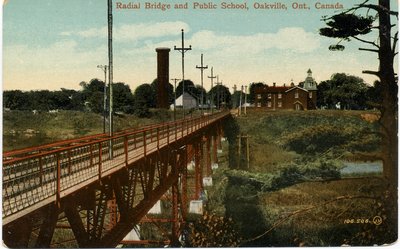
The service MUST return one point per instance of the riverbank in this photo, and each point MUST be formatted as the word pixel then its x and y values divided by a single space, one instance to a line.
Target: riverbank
pixel 291 192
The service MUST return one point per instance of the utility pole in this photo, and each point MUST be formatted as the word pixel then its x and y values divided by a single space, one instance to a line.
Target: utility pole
pixel 202 69
pixel 175 80
pixel 212 77
pixel 110 72
pixel 104 68
pixel 240 101
pixel 245 100
pixel 183 50
pixel 218 92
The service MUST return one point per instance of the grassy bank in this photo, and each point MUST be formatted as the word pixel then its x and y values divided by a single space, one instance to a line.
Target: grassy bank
pixel 24 129
pixel 292 194
pixel 283 136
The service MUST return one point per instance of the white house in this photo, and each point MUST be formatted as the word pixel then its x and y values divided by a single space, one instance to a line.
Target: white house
pixel 188 101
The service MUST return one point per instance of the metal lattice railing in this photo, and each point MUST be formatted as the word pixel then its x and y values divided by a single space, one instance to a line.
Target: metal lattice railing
pixel 36 176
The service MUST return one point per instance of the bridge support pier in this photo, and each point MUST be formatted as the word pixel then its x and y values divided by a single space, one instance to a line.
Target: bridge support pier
pixel 18 235
pixel 198 170
pixel 75 220
pixel 47 228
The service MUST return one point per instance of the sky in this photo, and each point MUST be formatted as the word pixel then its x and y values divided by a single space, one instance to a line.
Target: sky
pixel 54 44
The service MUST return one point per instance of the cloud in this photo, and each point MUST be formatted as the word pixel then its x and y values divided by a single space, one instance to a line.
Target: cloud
pixel 291 38
pixel 61 64
pixel 135 32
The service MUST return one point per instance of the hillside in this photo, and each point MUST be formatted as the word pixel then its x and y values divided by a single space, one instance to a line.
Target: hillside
pixel 293 193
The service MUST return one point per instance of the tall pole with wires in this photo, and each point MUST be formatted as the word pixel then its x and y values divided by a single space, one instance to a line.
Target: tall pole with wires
pixel 183 50
pixel 212 77
pixel 201 67
pixel 219 84
pixel 110 73
pixel 245 100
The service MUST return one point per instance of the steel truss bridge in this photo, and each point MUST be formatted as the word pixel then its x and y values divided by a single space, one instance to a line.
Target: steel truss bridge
pixel 100 187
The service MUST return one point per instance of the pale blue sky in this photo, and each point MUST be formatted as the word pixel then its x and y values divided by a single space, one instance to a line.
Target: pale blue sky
pixel 49 44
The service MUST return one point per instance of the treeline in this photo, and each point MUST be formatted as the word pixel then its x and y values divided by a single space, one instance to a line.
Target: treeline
pixel 91 97
pixel 348 92
pixel 342 91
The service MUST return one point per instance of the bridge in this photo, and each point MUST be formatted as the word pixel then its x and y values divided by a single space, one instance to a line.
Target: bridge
pixel 100 187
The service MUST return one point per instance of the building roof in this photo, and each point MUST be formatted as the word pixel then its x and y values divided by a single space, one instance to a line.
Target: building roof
pixel 277 89
pixel 292 88
pixel 271 89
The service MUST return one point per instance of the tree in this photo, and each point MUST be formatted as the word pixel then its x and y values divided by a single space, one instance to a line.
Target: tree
pixel 252 94
pixel 123 98
pixel 200 91
pixel 188 84
pixel 143 100
pixel 93 95
pixel 348 25
pixel 348 90
pixel 17 100
pixel 222 96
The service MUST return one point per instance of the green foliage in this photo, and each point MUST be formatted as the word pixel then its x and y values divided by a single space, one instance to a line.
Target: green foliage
pixel 347 90
pixel 320 138
pixel 122 98
pixel 144 99
pixel 315 139
pixel 345 25
pixel 252 88
pixel 221 96
pixel 187 84
pixel 213 231
pixel 311 133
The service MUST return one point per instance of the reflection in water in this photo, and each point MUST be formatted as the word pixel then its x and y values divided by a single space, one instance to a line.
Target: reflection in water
pixel 361 167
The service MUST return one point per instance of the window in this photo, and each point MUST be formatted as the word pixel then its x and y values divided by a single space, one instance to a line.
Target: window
pixel 258 96
pixel 279 95
pixel 269 103
pixel 279 103
pixel 258 104
pixel 310 95
pixel 296 94
pixel 269 95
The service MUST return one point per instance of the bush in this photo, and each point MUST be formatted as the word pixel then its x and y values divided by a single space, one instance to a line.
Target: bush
pixel 213 231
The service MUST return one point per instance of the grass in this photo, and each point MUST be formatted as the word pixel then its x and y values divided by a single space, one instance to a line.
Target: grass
pixel 24 129
pixel 325 225
pixel 291 153
pixel 284 136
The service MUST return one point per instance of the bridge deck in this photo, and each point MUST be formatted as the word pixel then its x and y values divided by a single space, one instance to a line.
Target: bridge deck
pixel 35 177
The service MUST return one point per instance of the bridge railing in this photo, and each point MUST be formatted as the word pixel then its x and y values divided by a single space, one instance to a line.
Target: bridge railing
pixel 36 176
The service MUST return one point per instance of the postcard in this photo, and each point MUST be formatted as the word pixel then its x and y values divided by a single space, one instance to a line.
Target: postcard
pixel 199 123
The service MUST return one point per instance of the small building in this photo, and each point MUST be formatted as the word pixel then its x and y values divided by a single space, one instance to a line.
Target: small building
pixel 289 97
pixel 188 101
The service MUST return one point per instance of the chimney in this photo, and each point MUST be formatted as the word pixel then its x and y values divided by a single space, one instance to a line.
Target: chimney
pixel 274 84
pixel 162 77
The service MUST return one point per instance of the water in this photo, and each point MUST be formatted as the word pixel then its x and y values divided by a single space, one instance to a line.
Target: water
pixel 361 167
